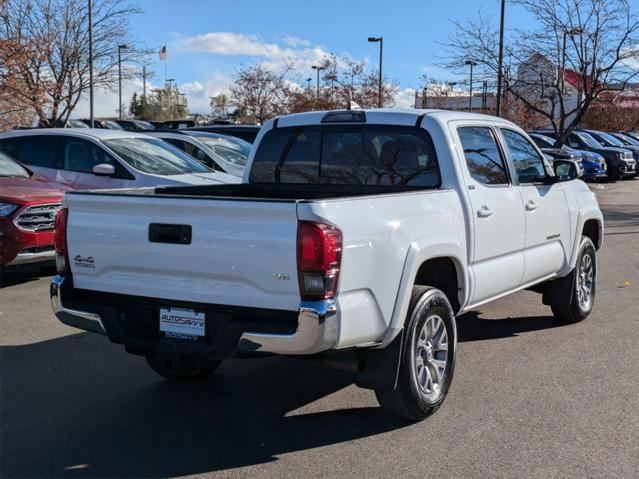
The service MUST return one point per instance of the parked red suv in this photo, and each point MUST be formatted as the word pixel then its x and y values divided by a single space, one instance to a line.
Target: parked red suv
pixel 28 204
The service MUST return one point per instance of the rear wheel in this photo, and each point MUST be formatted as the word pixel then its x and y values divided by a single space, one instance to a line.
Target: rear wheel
pixel 427 359
pixel 578 305
pixel 180 368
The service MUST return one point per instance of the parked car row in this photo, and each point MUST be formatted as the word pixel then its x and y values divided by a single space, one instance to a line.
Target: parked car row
pixel 604 155
pixel 245 132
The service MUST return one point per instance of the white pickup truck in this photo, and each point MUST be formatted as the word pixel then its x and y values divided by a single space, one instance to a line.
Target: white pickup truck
pixel 355 239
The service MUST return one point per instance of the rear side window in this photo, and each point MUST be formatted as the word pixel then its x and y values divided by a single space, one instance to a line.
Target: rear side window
pixel 366 155
pixel 483 158
pixel 39 151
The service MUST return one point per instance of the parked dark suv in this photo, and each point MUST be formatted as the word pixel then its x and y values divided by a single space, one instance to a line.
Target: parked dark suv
pixel 619 160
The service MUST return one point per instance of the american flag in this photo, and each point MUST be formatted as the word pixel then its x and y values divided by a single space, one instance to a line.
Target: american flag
pixel 162 53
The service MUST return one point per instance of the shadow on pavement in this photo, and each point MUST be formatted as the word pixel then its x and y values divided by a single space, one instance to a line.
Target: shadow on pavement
pixel 470 327
pixel 17 275
pixel 79 406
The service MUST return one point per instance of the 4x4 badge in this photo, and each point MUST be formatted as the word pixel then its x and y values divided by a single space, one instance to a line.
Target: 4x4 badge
pixel 84 262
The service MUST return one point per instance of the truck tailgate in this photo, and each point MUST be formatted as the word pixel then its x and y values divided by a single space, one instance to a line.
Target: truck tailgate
pixel 241 252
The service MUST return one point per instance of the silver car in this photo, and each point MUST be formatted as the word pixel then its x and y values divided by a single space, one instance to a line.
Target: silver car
pixel 91 158
pixel 219 152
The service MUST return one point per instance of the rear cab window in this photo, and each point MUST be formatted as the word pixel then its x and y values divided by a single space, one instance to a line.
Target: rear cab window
pixel 356 155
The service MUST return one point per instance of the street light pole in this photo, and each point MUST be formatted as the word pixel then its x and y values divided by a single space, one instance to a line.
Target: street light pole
pixel 318 68
pixel 501 58
pixel 120 48
pixel 571 33
pixel 470 96
pixel 90 63
pixel 379 40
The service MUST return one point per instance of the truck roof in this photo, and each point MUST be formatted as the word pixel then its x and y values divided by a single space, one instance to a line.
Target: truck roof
pixel 388 116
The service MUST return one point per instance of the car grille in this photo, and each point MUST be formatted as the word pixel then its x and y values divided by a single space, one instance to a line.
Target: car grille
pixel 37 217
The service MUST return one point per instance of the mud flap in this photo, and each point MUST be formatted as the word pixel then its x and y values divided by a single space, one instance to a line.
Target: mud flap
pixel 379 368
pixel 557 290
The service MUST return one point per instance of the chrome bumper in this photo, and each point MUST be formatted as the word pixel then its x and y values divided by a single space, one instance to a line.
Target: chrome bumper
pixel 29 258
pixel 77 319
pixel 317 331
pixel 317 327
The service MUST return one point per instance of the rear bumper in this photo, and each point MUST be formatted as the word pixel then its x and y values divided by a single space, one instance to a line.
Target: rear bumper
pixel 232 333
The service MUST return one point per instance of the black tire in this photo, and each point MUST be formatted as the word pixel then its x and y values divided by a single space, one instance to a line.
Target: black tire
pixel 573 308
pixel 409 400
pixel 182 369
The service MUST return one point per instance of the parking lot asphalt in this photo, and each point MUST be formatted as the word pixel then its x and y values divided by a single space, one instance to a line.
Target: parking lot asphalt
pixel 531 397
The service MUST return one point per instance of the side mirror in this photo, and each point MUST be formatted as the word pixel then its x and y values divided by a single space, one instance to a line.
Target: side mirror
pixel 104 169
pixel 566 170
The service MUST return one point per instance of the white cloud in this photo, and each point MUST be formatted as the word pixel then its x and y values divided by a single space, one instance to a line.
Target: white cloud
pixel 105 101
pixel 273 55
pixel 295 41
pixel 198 93
pixel 405 98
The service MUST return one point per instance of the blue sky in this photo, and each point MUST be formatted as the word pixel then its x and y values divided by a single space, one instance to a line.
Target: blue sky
pixel 208 40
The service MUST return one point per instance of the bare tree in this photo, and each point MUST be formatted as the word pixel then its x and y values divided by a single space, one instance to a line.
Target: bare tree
pixel 576 52
pixel 259 93
pixel 45 62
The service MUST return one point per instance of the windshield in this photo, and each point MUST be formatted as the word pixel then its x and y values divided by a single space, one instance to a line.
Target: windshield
pixel 10 167
pixel 111 125
pixel 543 141
pixel 588 140
pixel 144 125
pixel 630 140
pixel 233 150
pixel 154 156
pixel 611 140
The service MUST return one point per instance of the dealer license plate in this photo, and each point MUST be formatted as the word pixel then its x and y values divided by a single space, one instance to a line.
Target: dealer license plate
pixel 182 323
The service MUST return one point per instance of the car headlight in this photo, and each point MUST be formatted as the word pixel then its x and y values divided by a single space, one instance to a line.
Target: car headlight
pixel 7 208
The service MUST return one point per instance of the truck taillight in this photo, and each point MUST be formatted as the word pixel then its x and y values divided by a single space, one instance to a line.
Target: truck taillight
pixel 319 257
pixel 60 241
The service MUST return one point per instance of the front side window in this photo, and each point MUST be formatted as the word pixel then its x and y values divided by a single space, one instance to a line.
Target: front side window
pixel 362 155
pixel 529 166
pixel 154 156
pixel 82 156
pixel 483 158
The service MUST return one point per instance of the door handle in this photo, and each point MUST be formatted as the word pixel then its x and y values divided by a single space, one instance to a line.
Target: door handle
pixel 531 206
pixel 484 212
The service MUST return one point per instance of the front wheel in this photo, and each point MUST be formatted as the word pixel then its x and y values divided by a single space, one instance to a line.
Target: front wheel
pixel 427 359
pixel 183 369
pixel 578 305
